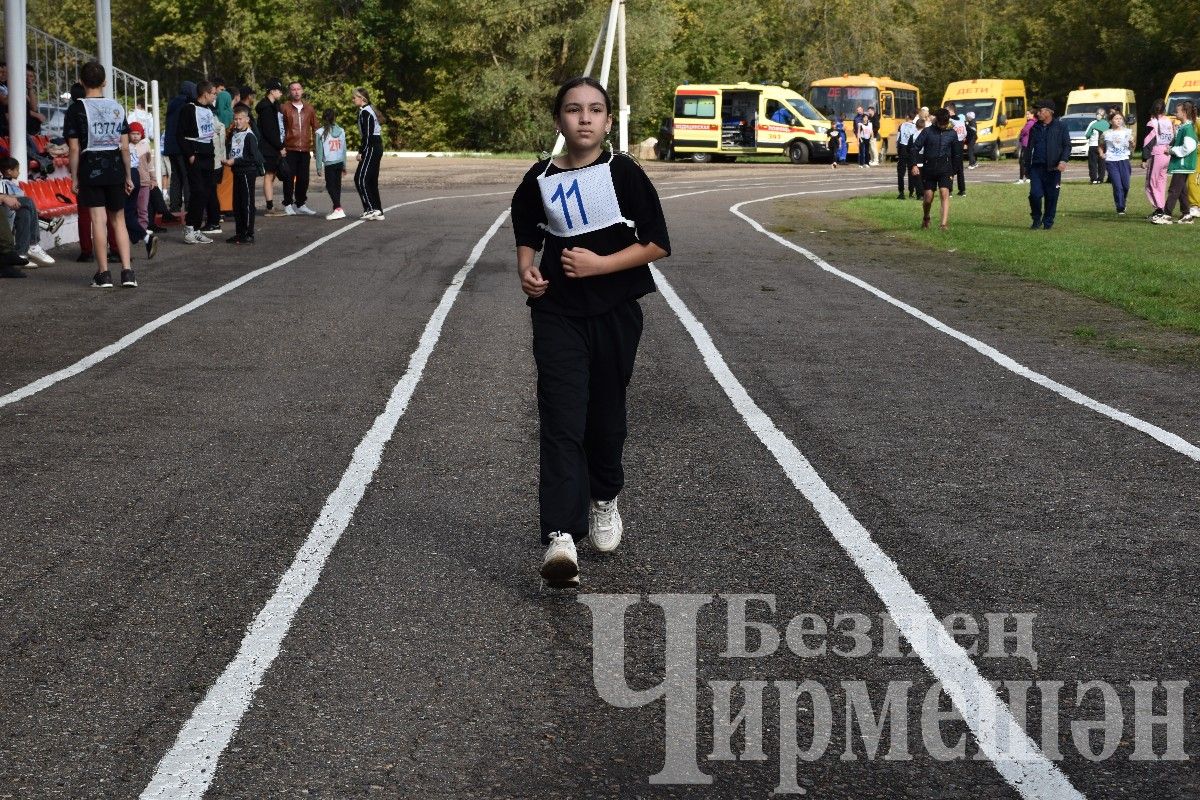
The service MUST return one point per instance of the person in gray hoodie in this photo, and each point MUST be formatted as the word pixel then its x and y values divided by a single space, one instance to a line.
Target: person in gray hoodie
pixel 179 184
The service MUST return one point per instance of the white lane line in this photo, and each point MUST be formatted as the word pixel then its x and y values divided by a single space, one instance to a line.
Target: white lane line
pixel 1171 440
pixel 186 771
pixel 89 361
pixel 1016 757
pixel 814 191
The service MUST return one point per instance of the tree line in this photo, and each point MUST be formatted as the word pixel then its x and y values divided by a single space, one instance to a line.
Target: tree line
pixel 481 75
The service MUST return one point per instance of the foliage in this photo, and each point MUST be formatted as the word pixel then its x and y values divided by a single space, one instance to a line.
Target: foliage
pixel 481 75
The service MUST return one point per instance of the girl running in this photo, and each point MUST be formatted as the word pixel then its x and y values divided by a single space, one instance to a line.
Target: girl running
pixel 1159 133
pixel 1116 144
pixel 601 222
pixel 366 174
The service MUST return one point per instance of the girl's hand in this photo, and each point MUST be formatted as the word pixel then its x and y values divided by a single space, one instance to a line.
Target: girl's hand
pixel 532 282
pixel 579 262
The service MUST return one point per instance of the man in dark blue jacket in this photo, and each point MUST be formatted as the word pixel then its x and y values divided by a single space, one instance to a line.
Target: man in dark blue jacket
pixel 179 185
pixel 1049 151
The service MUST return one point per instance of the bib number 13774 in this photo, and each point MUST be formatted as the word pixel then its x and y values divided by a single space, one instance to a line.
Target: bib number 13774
pixel 562 196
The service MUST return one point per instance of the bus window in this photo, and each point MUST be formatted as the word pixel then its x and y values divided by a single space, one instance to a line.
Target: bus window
pixel 695 106
pixel 906 103
pixel 834 100
pixel 889 108
pixel 1014 108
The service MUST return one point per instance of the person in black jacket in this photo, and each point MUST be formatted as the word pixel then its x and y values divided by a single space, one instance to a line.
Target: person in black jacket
pixel 243 157
pixel 366 174
pixel 194 134
pixel 936 156
pixel 179 185
pixel 270 129
pixel 1049 152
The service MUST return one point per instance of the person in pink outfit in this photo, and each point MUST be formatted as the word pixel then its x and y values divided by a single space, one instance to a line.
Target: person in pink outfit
pixel 1159 133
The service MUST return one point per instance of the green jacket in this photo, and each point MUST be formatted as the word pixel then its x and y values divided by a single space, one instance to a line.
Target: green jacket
pixel 1183 150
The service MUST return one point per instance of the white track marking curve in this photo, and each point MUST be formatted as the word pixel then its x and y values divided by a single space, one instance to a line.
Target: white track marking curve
pixel 1000 738
pixel 89 361
pixel 1171 440
pixel 186 771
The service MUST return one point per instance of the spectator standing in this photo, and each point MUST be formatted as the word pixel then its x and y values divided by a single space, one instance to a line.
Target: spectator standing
pixel 874 117
pixel 145 168
pixel 959 123
pixel 35 119
pixel 331 160
pixel 864 133
pixel 223 104
pixel 299 131
pixel 180 188
pixel 1023 147
pixel 212 209
pixel 270 133
pixel 244 162
pixel 137 231
pixel 1160 132
pixel 1093 133
pixel 1049 152
pixel 972 138
pixel 144 118
pixel 194 134
pixel 905 138
pixel 366 174
pixel 98 136
pixel 1182 164
pixel 1116 146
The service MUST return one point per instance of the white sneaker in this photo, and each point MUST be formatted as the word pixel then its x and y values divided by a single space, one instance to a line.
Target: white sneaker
pixel 604 525
pixel 337 213
pixel 1186 219
pixel 37 254
pixel 560 567
pixel 1162 219
pixel 289 210
pixel 305 210
pixel 376 216
pixel 191 236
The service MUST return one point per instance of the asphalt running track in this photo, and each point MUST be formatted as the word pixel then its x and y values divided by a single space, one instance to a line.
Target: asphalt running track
pixel 281 542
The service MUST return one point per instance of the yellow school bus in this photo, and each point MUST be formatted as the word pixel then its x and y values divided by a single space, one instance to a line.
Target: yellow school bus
pixel 894 101
pixel 1185 86
pixel 723 121
pixel 999 107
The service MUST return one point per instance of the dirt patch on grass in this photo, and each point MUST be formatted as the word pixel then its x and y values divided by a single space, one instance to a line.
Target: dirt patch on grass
pixel 983 293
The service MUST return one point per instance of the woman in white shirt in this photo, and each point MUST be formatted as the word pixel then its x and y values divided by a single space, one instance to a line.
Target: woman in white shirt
pixel 1116 144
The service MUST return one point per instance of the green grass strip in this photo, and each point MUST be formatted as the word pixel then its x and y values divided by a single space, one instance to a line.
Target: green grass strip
pixel 1151 271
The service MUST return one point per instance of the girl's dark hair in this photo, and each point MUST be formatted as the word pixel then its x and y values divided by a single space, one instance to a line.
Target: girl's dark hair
pixel 1189 110
pixel 1157 108
pixel 582 80
pixel 328 116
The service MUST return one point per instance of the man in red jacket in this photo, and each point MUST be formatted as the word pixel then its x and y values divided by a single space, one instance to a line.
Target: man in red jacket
pixel 299 130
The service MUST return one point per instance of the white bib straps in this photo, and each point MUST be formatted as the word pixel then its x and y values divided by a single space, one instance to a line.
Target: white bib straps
pixel 580 200
pixel 205 127
pixel 104 118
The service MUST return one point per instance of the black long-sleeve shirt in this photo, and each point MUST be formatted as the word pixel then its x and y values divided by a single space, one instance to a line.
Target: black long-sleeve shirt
pixel 583 297
pixel 187 132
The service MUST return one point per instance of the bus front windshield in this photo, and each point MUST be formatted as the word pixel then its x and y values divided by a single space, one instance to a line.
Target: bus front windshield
pixel 984 109
pixel 844 100
pixel 803 107
pixel 1089 108
pixel 1176 98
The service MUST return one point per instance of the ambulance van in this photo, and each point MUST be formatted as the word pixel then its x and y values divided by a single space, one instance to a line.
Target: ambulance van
pixel 999 107
pixel 719 122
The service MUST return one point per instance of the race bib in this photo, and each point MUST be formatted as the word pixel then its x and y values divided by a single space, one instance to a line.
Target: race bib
pixel 332 147
pixel 105 119
pixel 580 201
pixel 205 127
pixel 237 145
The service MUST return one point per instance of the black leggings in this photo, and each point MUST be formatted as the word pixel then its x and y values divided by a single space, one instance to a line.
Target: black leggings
pixel 333 183
pixel 366 174
pixel 200 188
pixel 243 203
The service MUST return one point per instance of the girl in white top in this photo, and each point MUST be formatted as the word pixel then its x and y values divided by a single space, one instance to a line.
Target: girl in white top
pixel 1116 144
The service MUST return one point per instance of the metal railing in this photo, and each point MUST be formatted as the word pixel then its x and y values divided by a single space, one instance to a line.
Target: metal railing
pixel 55 67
